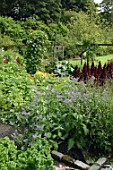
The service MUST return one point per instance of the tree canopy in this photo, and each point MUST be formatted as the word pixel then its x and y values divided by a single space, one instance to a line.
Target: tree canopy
pixel 107 10
pixel 67 23
pixel 46 10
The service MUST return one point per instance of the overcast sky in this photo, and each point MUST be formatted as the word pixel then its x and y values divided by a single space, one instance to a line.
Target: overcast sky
pixel 97 1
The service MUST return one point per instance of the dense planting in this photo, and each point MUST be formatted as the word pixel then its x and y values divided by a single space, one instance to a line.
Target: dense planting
pixel 99 73
pixel 40 96
pixel 57 109
pixel 35 157
pixel 15 89
pixel 59 68
pixel 70 108
pixel 61 107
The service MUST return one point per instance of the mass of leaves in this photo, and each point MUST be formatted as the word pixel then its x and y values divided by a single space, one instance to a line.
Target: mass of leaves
pixel 35 157
pixel 38 99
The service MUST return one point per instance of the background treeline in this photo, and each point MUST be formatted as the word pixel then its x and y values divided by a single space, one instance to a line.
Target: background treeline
pixel 67 23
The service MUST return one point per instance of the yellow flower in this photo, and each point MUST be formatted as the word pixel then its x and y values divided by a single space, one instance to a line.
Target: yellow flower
pixel 39 73
pixel 43 73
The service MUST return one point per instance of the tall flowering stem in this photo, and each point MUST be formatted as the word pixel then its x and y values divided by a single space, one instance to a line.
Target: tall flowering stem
pixel 99 73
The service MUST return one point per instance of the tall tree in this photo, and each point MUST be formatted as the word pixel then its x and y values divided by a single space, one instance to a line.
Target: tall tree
pixel 107 10
pixel 76 5
pixel 6 6
pixel 47 10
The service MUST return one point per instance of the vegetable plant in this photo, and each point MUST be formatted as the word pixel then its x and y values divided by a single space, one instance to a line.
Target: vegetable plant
pixel 60 68
pixel 35 157
pixel 66 110
pixel 15 89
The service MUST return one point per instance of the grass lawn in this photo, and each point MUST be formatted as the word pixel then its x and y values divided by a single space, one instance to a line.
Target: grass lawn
pixel 103 60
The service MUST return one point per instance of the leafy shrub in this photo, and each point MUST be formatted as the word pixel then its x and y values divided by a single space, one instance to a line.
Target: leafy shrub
pixel 41 78
pixel 32 23
pixel 11 56
pixel 88 114
pixel 36 50
pixel 41 117
pixel 61 68
pixel 8 154
pixel 6 41
pixel 10 27
pixel 79 114
pixel 35 157
pixel 15 89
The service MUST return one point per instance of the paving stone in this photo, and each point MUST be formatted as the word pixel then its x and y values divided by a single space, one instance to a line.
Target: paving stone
pixel 69 160
pixel 82 165
pixel 101 161
pixel 57 155
pixel 97 165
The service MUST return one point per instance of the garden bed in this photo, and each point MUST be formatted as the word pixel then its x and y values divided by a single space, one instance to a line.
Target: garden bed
pixel 72 117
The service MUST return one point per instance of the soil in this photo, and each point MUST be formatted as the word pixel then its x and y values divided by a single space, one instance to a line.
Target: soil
pixel 6 130
pixel 75 153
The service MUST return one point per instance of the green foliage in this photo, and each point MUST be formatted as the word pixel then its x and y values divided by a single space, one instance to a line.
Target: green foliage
pixel 47 10
pixel 8 150
pixel 41 78
pixel 78 5
pixel 50 11
pixel 36 50
pixel 107 12
pixel 89 53
pixel 11 55
pixel 61 109
pixel 6 41
pixel 84 28
pixel 15 89
pixel 60 68
pixel 35 157
pixel 10 28
pixel 56 30
pixel 64 110
pixel 40 118
pixel 32 23
pixel 6 6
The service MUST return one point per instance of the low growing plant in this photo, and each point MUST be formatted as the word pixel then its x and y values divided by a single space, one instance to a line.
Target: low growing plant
pixel 11 55
pixel 79 114
pixel 60 68
pixel 35 157
pixel 15 89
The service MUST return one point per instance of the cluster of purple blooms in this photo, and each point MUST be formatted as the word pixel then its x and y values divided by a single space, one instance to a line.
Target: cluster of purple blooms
pixel 31 123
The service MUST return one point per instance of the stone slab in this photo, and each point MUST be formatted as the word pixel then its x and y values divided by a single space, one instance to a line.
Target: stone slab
pixel 57 155
pixel 69 160
pixel 97 165
pixel 81 164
